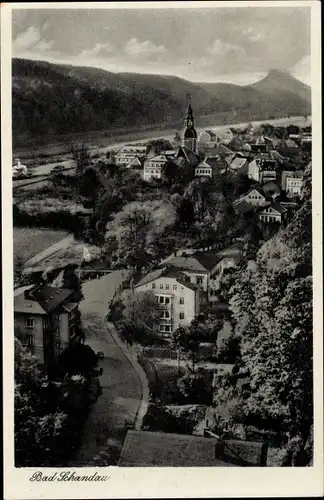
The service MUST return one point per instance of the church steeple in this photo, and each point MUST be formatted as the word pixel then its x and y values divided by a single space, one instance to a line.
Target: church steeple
pixel 190 134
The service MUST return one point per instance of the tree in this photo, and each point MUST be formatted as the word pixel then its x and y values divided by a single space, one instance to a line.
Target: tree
pixel 187 340
pixel 90 184
pixel 132 231
pixel 138 317
pixel 18 270
pixel 77 359
pixel 271 305
pixel 81 156
pixel 186 213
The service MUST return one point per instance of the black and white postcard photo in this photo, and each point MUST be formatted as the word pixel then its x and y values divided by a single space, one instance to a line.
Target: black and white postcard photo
pixel 162 228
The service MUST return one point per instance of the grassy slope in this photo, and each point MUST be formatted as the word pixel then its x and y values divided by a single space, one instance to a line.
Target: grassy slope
pixel 28 242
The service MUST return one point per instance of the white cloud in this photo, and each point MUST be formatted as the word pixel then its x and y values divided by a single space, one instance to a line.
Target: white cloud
pixel 143 50
pixel 302 70
pixel 31 42
pixel 225 49
pixel 100 50
pixel 252 35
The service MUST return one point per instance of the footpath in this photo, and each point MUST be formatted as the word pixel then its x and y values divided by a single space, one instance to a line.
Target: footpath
pixel 133 360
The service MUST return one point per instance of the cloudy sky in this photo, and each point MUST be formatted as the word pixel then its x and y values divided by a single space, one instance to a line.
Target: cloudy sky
pixel 237 45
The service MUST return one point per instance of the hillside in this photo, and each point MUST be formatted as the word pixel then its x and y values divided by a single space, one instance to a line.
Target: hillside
pixel 279 80
pixel 50 100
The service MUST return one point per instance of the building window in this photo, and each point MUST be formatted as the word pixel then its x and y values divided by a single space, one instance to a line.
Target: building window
pixel 161 300
pixel 161 287
pixel 30 322
pixel 153 286
pixel 162 314
pixel 166 314
pixel 167 287
pixel 167 328
pixel 162 327
pixel 175 287
pixel 30 341
pixel 58 344
pixel 181 315
pixel 199 280
pixel 181 300
pixel 167 300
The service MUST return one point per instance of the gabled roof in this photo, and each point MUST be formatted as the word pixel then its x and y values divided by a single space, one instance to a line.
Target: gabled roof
pixel 135 162
pixel 208 260
pixel 168 271
pixel 238 163
pixel 275 206
pixel 187 154
pixel 157 158
pixel 190 263
pixel 203 164
pixel 244 196
pixel 222 149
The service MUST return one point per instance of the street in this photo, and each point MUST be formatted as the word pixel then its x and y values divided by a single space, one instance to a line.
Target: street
pixel 121 387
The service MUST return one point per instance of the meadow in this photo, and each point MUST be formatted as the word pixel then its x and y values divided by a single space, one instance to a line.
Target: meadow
pixel 28 242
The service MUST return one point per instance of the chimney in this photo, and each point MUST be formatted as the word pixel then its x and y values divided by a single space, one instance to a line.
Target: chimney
pixel 29 294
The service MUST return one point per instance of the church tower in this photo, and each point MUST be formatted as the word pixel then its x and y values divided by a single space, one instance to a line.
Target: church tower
pixel 190 134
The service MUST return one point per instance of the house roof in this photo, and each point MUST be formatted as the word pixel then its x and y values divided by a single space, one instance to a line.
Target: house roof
pixel 203 164
pixel 136 161
pixel 222 149
pixel 43 300
pixel 271 186
pixel 244 196
pixel 160 157
pixel 293 173
pixel 208 260
pixel 275 206
pixel 238 163
pixel 190 263
pixel 187 154
pixel 160 449
pixel 168 271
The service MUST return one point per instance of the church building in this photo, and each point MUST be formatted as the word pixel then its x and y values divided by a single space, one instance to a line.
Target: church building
pixel 190 134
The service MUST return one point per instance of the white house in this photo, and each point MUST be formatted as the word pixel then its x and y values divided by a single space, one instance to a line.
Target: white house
pixel 273 213
pixel 253 197
pixel 203 170
pixel 129 152
pixel 177 297
pixel 153 167
pixel 254 170
pixel 292 182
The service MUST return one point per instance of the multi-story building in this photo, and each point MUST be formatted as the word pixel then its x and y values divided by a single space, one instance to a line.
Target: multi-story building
pixel 176 296
pixel 153 167
pixel 292 182
pixel 45 320
pixel 129 152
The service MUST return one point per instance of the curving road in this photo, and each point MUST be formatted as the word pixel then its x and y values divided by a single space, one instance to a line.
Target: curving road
pixel 103 433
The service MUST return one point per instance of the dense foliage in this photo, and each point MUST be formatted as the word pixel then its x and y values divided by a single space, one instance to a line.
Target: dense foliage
pixel 48 414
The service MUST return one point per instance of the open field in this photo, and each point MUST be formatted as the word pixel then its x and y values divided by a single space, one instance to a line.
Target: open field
pixel 28 242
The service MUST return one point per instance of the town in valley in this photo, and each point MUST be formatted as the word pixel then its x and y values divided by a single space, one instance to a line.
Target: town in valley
pixel 162 269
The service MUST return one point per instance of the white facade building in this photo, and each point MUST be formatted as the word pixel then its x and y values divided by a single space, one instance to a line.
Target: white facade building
pixel 153 167
pixel 178 299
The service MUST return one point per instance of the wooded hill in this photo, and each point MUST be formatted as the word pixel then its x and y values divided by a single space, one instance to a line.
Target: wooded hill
pixel 51 99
